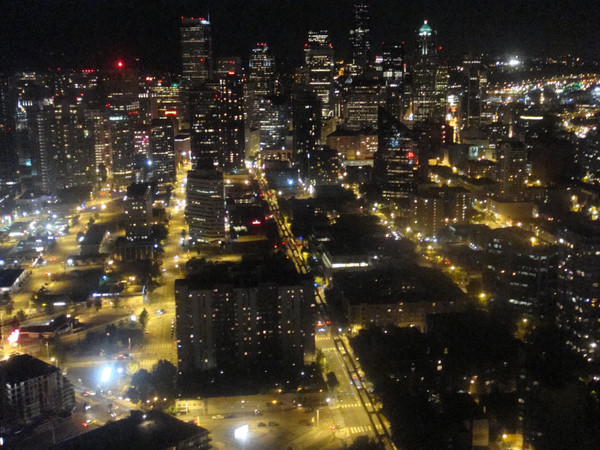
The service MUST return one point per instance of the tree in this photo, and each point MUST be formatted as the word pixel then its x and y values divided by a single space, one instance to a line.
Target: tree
pixel 163 377
pixel 141 386
pixel 144 318
pixel 58 349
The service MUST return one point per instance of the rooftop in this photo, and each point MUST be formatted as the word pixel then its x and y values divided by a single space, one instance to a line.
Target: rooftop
pixel 151 430
pixel 9 276
pixel 20 368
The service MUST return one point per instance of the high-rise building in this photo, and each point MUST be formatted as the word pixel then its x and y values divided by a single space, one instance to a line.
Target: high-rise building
pixel 393 68
pixel 361 103
pixel 8 157
pixel 318 56
pixel 123 117
pixel 476 81
pixel 73 129
pixel 512 165
pixel 166 99
pixel 138 208
pixel 162 149
pixel 274 122
pixel 233 315
pixel 260 84
pixel 424 75
pixel 231 122
pixel 578 289
pixel 359 37
pixel 204 115
pixel 306 121
pixel 396 160
pixel 196 50
pixel 205 205
pixel 33 136
pixel 102 142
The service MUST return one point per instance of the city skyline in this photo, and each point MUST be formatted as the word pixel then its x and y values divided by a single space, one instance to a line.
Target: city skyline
pixel 86 33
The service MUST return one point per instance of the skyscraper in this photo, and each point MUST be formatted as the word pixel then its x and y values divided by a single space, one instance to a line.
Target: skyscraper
pixel 231 122
pixel 476 80
pixel 196 50
pixel 359 37
pixel 162 149
pixel 204 122
pixel 8 157
pixel 306 121
pixel 393 67
pixel 424 75
pixel 260 83
pixel 318 56
pixel 396 159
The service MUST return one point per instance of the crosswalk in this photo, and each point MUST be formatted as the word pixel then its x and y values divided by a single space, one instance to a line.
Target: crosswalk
pixel 155 347
pixel 363 429
pixel 350 405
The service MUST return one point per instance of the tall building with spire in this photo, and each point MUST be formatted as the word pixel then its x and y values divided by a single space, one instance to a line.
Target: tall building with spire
pixel 424 76
pixel 359 37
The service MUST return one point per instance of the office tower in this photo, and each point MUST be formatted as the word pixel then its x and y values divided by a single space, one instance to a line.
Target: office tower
pixel 359 37
pixel 361 103
pixel 306 121
pixel 440 93
pixel 33 137
pixel 274 122
pixel 225 65
pixel 196 51
pixel 33 392
pixel 75 94
pixel 8 157
pixel 396 159
pixel 123 117
pixel 393 68
pixel 205 205
pixel 512 165
pixel 578 288
pixel 231 122
pixel 162 150
pixel 102 142
pixel 232 316
pixel 166 100
pixel 204 116
pixel 318 56
pixel 138 209
pixel 260 84
pixel 424 75
pixel 476 81
pixel 43 164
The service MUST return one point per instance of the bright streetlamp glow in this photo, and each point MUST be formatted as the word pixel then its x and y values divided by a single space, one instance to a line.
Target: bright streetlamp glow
pixel 105 375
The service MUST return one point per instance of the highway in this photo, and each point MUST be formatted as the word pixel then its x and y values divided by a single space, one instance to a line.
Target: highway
pixel 353 408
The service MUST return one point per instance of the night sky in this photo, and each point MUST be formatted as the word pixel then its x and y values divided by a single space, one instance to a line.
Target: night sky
pixel 47 33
